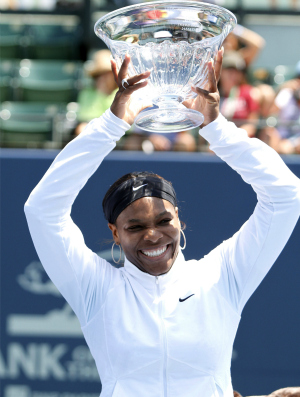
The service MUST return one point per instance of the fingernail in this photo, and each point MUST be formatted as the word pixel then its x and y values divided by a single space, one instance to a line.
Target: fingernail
pixel 222 49
pixel 212 61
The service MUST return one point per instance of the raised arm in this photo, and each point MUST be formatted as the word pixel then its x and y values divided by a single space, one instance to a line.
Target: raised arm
pixel 249 254
pixel 252 41
pixel 240 263
pixel 80 275
pixel 59 243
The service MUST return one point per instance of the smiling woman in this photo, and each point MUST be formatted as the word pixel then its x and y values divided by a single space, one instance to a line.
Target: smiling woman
pixel 160 326
pixel 143 217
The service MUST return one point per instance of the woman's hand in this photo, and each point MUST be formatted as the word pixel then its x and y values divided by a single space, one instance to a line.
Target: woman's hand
pixel 124 105
pixel 208 100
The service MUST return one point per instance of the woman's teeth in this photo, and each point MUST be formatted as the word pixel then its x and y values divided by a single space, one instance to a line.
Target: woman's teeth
pixel 157 252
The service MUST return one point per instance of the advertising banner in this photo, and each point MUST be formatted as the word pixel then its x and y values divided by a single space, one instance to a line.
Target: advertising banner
pixel 43 353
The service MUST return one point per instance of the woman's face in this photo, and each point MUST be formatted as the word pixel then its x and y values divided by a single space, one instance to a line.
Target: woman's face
pixel 149 233
pixel 230 78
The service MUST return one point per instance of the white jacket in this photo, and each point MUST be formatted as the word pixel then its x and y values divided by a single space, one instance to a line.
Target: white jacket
pixel 146 343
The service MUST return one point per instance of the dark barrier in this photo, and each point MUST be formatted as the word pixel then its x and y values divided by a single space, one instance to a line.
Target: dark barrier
pixel 43 353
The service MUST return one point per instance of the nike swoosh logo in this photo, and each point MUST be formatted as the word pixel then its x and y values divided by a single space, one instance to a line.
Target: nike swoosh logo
pixel 182 300
pixel 137 188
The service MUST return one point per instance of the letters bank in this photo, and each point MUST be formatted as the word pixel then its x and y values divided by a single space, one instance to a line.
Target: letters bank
pixel 44 351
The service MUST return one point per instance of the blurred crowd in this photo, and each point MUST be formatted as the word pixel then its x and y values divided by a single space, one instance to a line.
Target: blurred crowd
pixel 269 113
pixel 47 97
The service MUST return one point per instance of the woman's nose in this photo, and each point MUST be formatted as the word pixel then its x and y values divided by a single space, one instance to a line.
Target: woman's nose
pixel 153 235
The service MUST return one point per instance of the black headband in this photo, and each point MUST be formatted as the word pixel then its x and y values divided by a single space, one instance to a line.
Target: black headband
pixel 134 189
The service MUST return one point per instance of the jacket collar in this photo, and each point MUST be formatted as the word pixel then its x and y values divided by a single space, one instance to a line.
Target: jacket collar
pixel 148 281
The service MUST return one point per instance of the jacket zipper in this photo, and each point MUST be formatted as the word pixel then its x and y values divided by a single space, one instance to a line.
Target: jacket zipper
pixel 164 338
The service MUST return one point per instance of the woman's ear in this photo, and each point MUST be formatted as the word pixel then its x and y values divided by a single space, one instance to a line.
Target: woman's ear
pixel 114 232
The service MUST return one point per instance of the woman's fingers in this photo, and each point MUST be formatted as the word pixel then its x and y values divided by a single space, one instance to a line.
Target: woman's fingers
pixel 135 79
pixel 200 91
pixel 129 90
pixel 122 74
pixel 214 69
pixel 114 70
pixel 212 82
pixel 134 83
pixel 123 69
pixel 209 97
pixel 218 63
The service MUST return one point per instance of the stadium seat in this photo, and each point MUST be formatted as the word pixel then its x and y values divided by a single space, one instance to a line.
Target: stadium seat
pixel 7 73
pixel 53 41
pixel 12 37
pixel 47 81
pixel 27 124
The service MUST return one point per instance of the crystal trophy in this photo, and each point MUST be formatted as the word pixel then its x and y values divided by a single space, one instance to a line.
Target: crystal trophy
pixel 174 40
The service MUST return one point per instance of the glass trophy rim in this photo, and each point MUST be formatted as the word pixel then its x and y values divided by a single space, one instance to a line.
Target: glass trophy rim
pixel 186 4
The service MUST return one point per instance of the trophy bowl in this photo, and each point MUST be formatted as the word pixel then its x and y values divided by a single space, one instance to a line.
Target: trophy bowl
pixel 174 40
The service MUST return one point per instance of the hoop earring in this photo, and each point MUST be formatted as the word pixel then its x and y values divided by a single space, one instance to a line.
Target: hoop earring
pixel 112 253
pixel 184 239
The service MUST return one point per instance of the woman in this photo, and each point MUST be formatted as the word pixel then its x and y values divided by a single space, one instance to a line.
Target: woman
pixel 238 98
pixel 160 326
pixel 96 99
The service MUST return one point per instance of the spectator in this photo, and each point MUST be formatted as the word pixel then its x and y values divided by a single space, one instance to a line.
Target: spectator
pixel 246 42
pixel 288 105
pixel 95 100
pixel 183 141
pixel 238 99
pixel 265 96
pixel 285 139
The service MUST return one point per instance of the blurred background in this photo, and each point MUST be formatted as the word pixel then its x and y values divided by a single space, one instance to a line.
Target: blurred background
pixel 50 76
pixel 54 78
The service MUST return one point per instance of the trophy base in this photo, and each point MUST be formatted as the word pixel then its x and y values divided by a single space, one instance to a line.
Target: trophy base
pixel 171 119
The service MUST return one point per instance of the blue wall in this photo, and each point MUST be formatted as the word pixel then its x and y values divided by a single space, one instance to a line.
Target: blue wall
pixel 214 203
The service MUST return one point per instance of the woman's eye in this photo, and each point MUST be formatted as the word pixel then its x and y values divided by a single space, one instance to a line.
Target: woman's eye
pixel 136 227
pixel 165 221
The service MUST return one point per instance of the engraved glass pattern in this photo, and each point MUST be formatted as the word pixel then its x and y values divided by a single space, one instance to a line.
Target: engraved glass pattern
pixel 174 40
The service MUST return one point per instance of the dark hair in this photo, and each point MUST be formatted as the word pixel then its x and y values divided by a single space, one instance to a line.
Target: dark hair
pixel 126 177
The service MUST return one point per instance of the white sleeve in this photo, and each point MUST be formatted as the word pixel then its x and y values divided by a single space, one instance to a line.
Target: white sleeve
pixel 80 275
pixel 245 259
